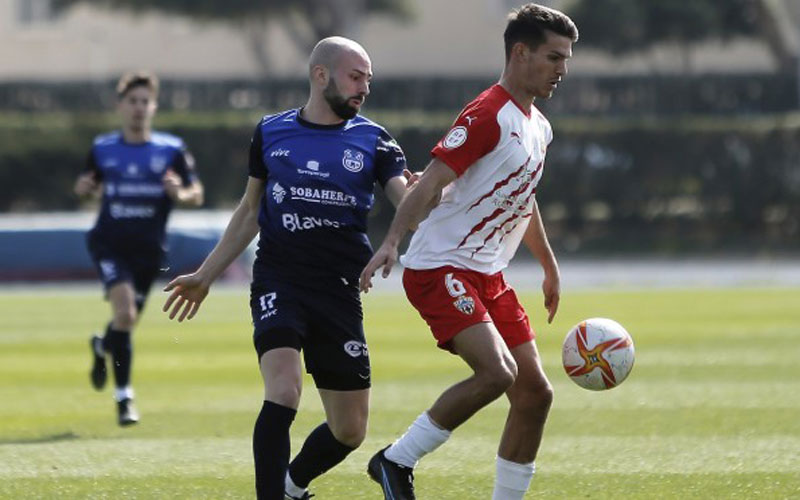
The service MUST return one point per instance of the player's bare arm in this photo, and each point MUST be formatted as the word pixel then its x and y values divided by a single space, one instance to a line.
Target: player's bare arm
pixel 189 290
pixel 535 238
pixel 413 208
pixel 396 187
pixel 191 195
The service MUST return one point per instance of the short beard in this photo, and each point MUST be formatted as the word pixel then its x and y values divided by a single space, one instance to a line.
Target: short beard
pixel 339 105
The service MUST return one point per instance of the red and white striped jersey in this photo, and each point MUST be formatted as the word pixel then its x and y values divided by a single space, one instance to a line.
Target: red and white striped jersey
pixel 497 149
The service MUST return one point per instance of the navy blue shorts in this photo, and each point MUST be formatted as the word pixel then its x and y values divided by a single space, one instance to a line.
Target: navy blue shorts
pixel 324 320
pixel 139 269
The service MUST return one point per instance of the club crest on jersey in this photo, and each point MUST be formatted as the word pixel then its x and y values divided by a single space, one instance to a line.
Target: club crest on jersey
pixel 158 164
pixel 353 162
pixel 465 304
pixel 455 138
pixel 278 193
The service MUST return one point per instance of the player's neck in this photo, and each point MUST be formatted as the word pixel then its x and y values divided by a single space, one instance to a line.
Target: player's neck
pixel 318 112
pixel 133 136
pixel 517 90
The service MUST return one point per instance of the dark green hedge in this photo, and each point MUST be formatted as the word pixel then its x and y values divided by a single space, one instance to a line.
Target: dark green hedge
pixel 615 186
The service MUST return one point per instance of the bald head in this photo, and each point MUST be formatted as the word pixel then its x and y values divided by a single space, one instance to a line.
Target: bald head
pixel 329 51
pixel 339 72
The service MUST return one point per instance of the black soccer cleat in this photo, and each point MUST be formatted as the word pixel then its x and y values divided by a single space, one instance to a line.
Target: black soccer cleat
pixel 99 374
pixel 305 496
pixel 397 481
pixel 127 413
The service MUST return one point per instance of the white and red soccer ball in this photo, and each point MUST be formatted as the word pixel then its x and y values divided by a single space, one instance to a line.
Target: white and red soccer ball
pixel 598 354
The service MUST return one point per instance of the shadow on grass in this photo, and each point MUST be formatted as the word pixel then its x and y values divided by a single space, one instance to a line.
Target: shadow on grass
pixel 53 438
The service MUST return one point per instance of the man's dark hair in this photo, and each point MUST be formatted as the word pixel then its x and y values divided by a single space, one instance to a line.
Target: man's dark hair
pixel 529 23
pixel 130 81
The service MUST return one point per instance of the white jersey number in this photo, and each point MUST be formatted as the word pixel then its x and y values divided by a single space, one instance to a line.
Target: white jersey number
pixel 454 287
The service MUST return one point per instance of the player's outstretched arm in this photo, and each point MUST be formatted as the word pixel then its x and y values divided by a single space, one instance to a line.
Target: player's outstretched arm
pixel 413 207
pixel 189 290
pixel 535 239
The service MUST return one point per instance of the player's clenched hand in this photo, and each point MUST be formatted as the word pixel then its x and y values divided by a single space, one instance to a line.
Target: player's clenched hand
pixel 188 292
pixel 385 257
pixel 172 184
pixel 85 184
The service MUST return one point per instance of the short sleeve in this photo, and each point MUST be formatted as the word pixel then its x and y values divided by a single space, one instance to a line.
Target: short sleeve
pixel 474 134
pixel 257 167
pixel 184 166
pixel 389 158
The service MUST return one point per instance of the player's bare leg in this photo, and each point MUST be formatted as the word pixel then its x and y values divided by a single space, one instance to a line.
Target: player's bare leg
pixel 122 298
pixel 332 441
pixel 482 348
pixel 530 398
pixel 281 371
pixel 347 413
pixel 494 371
pixel 117 341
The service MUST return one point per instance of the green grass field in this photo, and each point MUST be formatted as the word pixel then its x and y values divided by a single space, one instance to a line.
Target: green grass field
pixel 711 410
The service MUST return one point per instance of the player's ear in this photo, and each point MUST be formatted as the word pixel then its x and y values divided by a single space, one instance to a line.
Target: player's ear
pixel 520 51
pixel 320 75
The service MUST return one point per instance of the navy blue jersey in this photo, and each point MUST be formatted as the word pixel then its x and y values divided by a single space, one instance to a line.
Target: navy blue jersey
pixel 319 189
pixel 134 209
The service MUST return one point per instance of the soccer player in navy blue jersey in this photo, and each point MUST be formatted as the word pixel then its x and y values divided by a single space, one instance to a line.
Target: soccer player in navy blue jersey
pixel 140 174
pixel 311 179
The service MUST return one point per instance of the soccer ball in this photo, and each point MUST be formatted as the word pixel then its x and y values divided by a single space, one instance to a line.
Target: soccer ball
pixel 598 354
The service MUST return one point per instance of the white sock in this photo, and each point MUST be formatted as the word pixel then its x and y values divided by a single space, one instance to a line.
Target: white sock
pixel 292 488
pixel 512 479
pixel 121 393
pixel 421 438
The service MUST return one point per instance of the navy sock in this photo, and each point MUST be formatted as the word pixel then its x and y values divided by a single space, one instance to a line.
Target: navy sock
pixel 271 448
pixel 118 343
pixel 320 453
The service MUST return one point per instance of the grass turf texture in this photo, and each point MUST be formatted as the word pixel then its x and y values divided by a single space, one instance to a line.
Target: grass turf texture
pixel 711 409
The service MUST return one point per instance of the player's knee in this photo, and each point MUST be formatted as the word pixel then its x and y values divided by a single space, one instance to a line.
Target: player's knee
pixel 534 398
pixel 351 433
pixel 496 381
pixel 285 394
pixel 125 318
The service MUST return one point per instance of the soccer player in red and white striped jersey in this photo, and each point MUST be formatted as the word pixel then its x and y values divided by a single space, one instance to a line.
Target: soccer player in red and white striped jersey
pixel 484 175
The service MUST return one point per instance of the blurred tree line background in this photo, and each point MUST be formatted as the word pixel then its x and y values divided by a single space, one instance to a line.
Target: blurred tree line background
pixel 665 163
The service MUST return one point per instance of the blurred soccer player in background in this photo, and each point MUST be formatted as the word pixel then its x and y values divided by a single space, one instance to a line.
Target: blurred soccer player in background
pixel 141 174
pixel 311 180
pixel 486 169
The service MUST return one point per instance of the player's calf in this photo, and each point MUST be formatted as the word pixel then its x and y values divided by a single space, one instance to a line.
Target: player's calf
pixel 98 374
